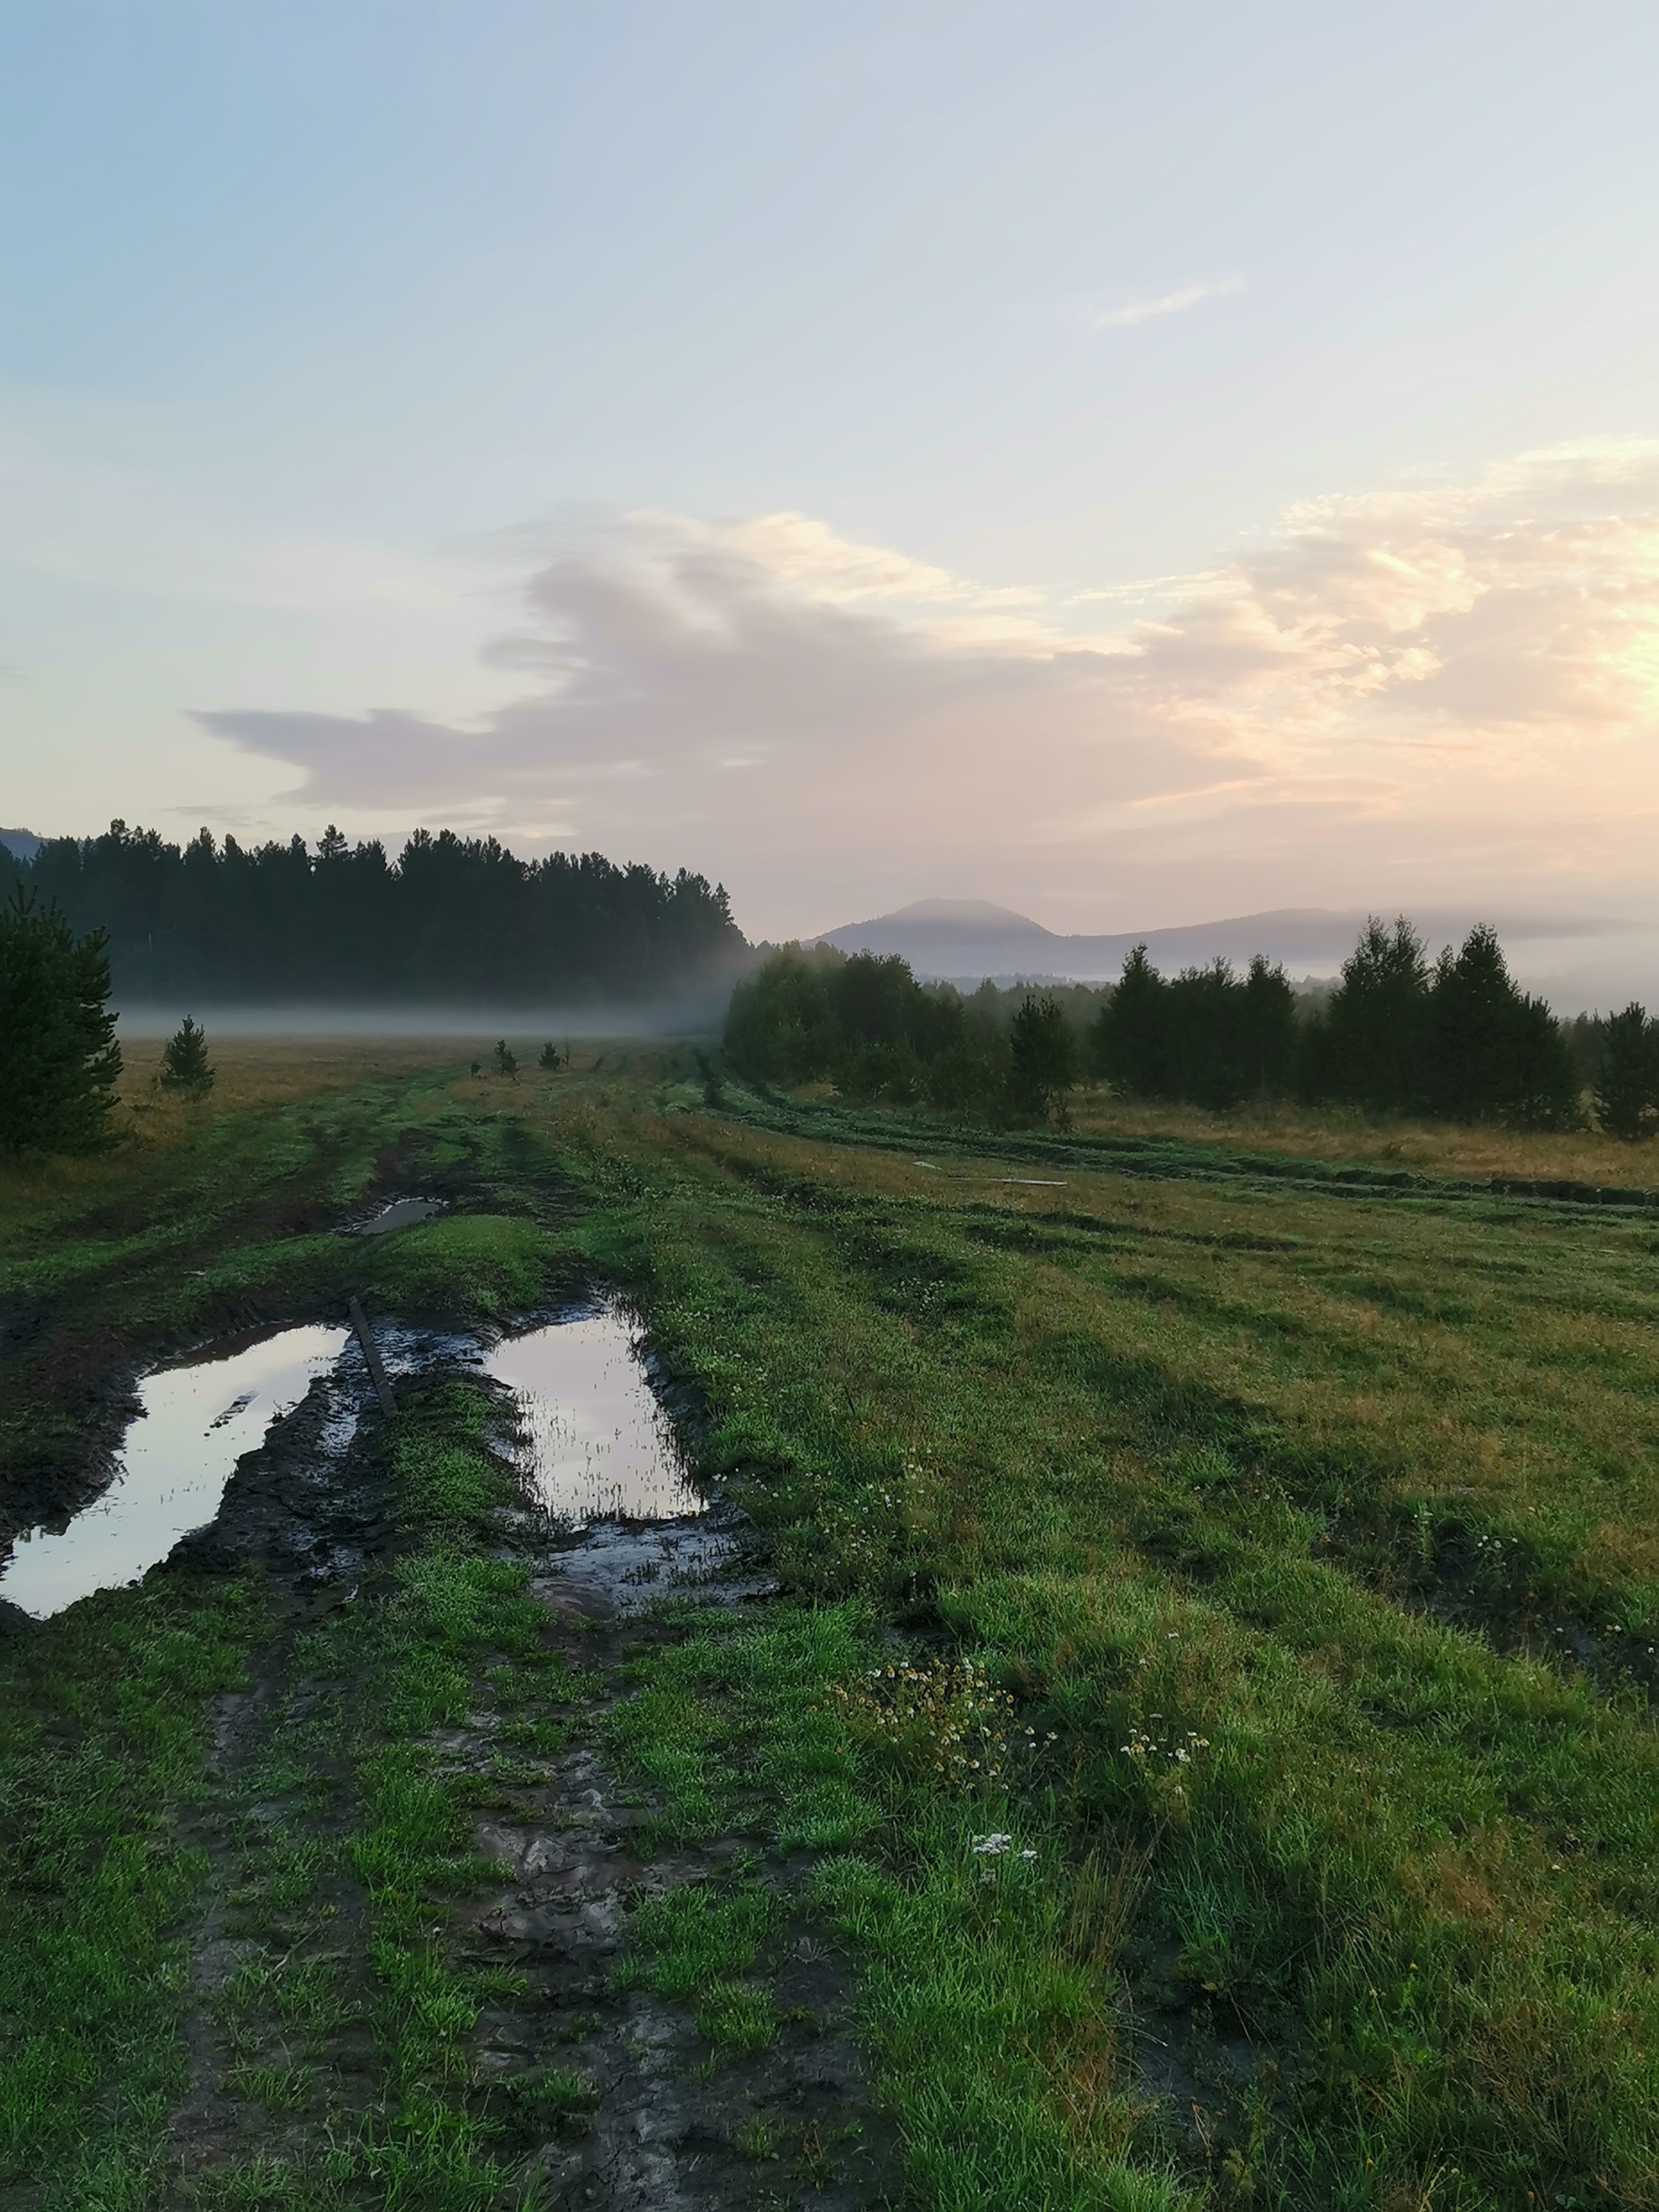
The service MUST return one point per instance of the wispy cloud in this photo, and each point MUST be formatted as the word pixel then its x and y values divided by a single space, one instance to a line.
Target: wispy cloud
pixel 1130 312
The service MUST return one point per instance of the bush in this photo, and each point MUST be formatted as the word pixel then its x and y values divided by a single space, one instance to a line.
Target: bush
pixel 58 1057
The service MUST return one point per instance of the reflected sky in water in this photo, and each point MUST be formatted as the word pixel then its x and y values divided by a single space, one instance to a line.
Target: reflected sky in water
pixel 596 1444
pixel 176 1457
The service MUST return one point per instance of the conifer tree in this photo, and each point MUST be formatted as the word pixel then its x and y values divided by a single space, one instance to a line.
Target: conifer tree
pixel 1129 1041
pixel 1488 1048
pixel 184 1061
pixel 450 918
pixel 1044 1059
pixel 507 1062
pixel 58 1057
pixel 1268 1028
pixel 549 1056
pixel 1627 1093
pixel 1369 1045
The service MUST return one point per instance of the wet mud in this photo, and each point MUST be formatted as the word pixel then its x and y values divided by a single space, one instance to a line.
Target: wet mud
pixel 71 1374
pixel 659 2118
pixel 673 2125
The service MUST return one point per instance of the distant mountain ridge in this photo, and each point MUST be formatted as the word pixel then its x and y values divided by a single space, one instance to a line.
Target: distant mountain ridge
pixel 22 843
pixel 962 941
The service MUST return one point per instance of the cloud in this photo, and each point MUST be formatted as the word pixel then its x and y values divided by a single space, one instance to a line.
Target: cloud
pixel 1131 312
pixel 1442 691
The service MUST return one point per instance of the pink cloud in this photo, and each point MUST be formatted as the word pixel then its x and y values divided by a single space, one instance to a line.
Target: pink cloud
pixel 1422 693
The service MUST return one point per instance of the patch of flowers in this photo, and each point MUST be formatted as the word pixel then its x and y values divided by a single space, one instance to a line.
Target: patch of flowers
pixel 1165 1759
pixel 943 1714
pixel 1143 1745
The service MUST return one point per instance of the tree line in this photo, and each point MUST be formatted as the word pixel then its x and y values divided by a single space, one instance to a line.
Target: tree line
pixel 1453 1039
pixel 449 919
pixel 865 1024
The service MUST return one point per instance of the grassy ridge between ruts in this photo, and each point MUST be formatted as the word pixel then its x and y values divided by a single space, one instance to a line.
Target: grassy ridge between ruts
pixel 1208 1688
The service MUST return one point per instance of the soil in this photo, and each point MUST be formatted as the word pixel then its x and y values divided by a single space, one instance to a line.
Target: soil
pixel 662 2120
pixel 667 2119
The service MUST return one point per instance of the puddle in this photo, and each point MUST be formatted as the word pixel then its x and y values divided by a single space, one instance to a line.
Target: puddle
pixel 596 1444
pixel 399 1213
pixel 179 1453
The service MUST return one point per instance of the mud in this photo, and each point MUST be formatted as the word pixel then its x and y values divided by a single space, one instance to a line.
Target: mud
pixel 667 2119
pixel 662 2120
pixel 71 1369
pixel 314 1506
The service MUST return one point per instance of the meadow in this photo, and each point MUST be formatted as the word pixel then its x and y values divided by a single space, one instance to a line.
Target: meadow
pixel 1205 1698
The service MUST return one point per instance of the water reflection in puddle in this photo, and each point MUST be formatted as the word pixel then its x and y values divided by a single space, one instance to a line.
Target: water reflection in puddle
pixel 596 1445
pixel 196 1423
pixel 398 1214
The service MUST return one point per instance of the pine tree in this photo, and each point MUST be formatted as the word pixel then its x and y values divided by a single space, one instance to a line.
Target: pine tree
pixel 184 1061
pixel 1045 1061
pixel 1129 1044
pixel 58 1057
pixel 1627 1094
pixel 550 1057
pixel 507 1062
pixel 1489 1050
pixel 1369 1045
pixel 1268 1029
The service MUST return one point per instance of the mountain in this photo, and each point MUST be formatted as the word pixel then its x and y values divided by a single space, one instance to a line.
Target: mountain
pixel 23 843
pixel 960 940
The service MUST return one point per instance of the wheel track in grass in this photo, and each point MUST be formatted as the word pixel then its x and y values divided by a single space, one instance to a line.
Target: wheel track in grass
pixel 1170 1160
pixel 582 2080
pixel 677 2121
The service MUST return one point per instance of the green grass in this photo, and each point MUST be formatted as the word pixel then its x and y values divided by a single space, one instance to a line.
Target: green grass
pixel 102 1741
pixel 1346 1491
pixel 706 1944
pixel 1164 1457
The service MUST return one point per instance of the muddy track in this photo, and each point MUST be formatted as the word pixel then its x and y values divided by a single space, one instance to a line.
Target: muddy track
pixel 281 2055
pixel 76 1370
pixel 668 2115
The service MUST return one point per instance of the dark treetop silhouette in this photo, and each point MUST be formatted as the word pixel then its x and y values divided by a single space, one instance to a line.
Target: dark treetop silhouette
pixel 449 919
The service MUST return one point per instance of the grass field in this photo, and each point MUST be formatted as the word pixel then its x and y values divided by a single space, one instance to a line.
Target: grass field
pixel 1207 1701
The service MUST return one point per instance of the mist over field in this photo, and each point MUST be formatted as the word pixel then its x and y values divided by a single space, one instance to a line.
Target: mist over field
pixel 694 1015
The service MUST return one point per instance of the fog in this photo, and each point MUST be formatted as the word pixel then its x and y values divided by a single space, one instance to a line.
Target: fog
pixel 478 1027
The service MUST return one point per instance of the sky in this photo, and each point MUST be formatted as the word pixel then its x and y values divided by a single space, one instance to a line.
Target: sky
pixel 1132 465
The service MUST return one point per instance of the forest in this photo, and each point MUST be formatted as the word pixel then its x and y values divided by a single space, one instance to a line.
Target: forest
pixel 449 919
pixel 1452 1039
